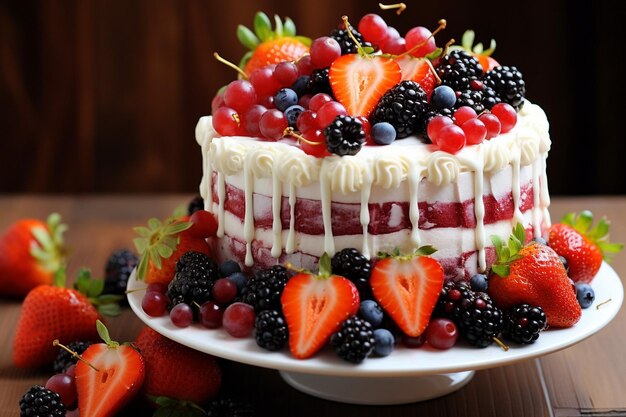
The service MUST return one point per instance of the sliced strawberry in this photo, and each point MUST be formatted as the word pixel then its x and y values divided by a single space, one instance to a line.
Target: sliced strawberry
pixel 314 307
pixel 487 62
pixel 407 289
pixel 119 375
pixel 418 70
pixel 358 82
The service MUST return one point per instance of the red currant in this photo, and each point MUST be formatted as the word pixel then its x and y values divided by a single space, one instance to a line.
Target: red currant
pixel 315 144
pixel 267 102
pixel 286 73
pixel 492 123
pixel 181 315
pixel 475 131
pixel 238 319
pixel 441 333
pixel 507 116
pixel 224 290
pixel 240 95
pixel 65 386
pixel 307 120
pixel 394 46
pixel 264 82
pixel 217 102
pixel 367 128
pixel 305 66
pixel 273 124
pixel 210 315
pixel 451 139
pixel 327 113
pixel 251 119
pixel 154 303
pixel 226 122
pixel 204 224
pixel 463 114
pixel 305 100
pixel 373 28
pixel 324 51
pixel 420 36
pixel 435 125
pixel 319 100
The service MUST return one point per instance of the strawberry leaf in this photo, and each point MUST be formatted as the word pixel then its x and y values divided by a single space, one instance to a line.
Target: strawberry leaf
pixel 289 27
pixel 176 227
pixel 583 222
pixel 520 233
pixel 82 282
pixel 569 219
pixel 467 40
pixel 109 310
pixel 154 223
pixel 103 332
pixel 599 231
pixel 96 286
pixel 434 54
pixel 425 250
pixel 142 231
pixel 142 269
pixel 244 59
pixel 164 251
pixel 263 26
pixel 501 270
pixel 247 37
pixel 325 268
pixel 278 31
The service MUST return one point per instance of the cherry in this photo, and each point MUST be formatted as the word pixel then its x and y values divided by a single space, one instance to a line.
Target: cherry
pixel 238 319
pixel 210 315
pixel 315 144
pixel 507 116
pixel 475 131
pixel 327 113
pixel 305 100
pixel 240 95
pixel 154 303
pixel 65 386
pixel 226 122
pixel 394 46
pixel 286 73
pixel 305 66
pixel 324 51
pixel 463 114
pixel 319 100
pixel 264 82
pixel 373 28
pixel 251 119
pixel 217 102
pixel 441 333
pixel 492 123
pixel 204 224
pixel 451 139
pixel 272 124
pixel 420 36
pixel 181 315
pixel 435 125
pixel 224 290
pixel 307 120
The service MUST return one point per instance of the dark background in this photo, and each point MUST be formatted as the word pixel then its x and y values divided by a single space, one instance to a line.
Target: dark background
pixel 103 96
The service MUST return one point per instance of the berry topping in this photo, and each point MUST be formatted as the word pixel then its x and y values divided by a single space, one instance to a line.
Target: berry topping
pixel 383 133
pixel 284 98
pixel 286 73
pixel 181 315
pixel 65 359
pixel 324 51
pixel 508 84
pixel 346 41
pixel 154 303
pixel 384 342
pixel 319 82
pixel 441 333
pixel 435 124
pixel 420 41
pixel 118 268
pixel 585 294
pixel 475 131
pixel 195 204
pixel 403 106
pixel 443 97
pixel 523 323
pixel 193 282
pixel 344 136
pixel 506 115
pixel 292 113
pixel 271 330
pixel 354 341
pixel 264 290
pixel 370 311
pixel 479 283
pixel 451 139
pixel 479 320
pixel 228 267
pixel 352 264
pixel 210 315
pixel 273 124
pixel 492 123
pixel 238 320
pixel 373 28
pixel 41 402
pixel 458 69
pixel 240 95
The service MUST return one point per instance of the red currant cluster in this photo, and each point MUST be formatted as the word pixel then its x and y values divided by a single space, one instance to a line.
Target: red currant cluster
pixel 451 134
pixel 419 41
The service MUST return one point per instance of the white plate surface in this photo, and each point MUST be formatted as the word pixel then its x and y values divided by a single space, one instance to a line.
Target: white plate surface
pixel 403 361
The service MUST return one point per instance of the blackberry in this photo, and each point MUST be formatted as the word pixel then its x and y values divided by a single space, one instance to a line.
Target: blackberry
pixel 65 359
pixel 452 295
pixel 346 43
pixel 479 320
pixel 404 107
pixel 41 402
pixel 319 82
pixel 271 330
pixel 197 203
pixel 523 323
pixel 471 98
pixel 354 341
pixel 344 136
pixel 429 115
pixel 458 69
pixel 193 281
pixel 490 97
pixel 351 264
pixel 508 84
pixel 263 291
pixel 118 268
pixel 227 407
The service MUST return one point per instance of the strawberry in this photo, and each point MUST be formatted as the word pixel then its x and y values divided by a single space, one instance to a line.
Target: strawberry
pixel 54 312
pixel 583 246
pixel 31 251
pixel 161 244
pixel 315 306
pixel 478 51
pixel 419 70
pixel 407 288
pixel 359 81
pixel 176 371
pixel 532 274
pixel 269 46
pixel 108 376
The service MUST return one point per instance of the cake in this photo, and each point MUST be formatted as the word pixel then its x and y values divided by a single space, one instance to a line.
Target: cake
pixel 278 202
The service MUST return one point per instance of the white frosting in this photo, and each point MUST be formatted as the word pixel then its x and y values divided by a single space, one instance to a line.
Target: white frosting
pixel 377 173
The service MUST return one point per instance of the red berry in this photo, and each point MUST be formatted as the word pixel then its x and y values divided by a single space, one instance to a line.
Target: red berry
pixel 181 315
pixel 420 36
pixel 307 120
pixel 441 334
pixel 217 102
pixel 224 290
pixel 435 125
pixel 240 95
pixel 286 73
pixel 305 100
pixel 367 127
pixel 394 46
pixel 373 28
pixel 324 51
pixel 267 102
pixel 226 122
pixel 475 131
pixel 305 66
pixel 492 123
pixel 204 224
pixel 238 319
pixel 319 100
pixel 65 386
pixel 451 139
pixel 273 124
pixel 210 315
pixel 463 114
pixel 264 82
pixel 158 287
pixel 71 371
pixel 154 303
pixel 327 113
pixel 251 119
pixel 315 144
pixel 507 116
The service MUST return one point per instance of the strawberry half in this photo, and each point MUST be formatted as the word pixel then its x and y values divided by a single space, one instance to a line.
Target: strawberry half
pixel 407 287
pixel 359 81
pixel 315 306
pixel 419 70
pixel 117 377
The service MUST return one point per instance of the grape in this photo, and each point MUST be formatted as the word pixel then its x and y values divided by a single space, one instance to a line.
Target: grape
pixel 307 120
pixel 210 315
pixel 475 131
pixel 373 28
pixel 420 36
pixel 65 386
pixel 304 101
pixel 240 95
pixel 267 102
pixel 264 82
pixel 463 114
pixel 154 303
pixel 327 113
pixel 441 334
pixel 305 66
pixel 392 33
pixel 317 147
pixel 507 116
pixel 324 51
pixel 217 102
pixel 158 287
pixel 238 320
pixel 435 125
pixel 451 139
pixel 225 122
pixel 273 124
pixel 492 123
pixel 224 291
pixel 394 46
pixel 181 315
pixel 383 133
pixel 204 224
pixel 318 101
pixel 286 73
pixel 285 97
pixel 443 97
pixel 71 371
pixel 251 119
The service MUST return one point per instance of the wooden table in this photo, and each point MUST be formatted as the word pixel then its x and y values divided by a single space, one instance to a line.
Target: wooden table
pixel 587 379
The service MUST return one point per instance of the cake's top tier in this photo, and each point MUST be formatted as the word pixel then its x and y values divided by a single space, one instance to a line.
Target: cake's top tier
pixel 382 166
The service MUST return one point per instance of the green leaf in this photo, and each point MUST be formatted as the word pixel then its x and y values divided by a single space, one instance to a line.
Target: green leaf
pixel 468 40
pixel 109 310
pixel 583 221
pixel 82 282
pixel 278 31
pixel 501 270
pixel 142 231
pixel 514 245
pixel 179 211
pixel 324 265
pixel 434 54
pixel 506 254
pixel 569 219
pixel 304 40
pixel 244 60
pixel 142 269
pixel 520 233
pixel 60 277
pixel 492 48
pixel 497 243
pixel 247 37
pixel 368 50
pixel 140 244
pixel 599 231
pixel 478 48
pixel 154 223
pixel 262 26
pixel 96 286
pixel 109 298
pixel 155 258
pixel 176 227
pixel 425 250
pixel 103 332
pixel 164 251
pixel 289 27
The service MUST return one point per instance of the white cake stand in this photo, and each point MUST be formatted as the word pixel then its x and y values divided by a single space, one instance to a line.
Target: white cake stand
pixel 407 375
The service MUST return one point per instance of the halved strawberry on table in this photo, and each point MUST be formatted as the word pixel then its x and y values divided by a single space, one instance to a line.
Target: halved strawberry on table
pixel 314 306
pixel 582 244
pixel 408 287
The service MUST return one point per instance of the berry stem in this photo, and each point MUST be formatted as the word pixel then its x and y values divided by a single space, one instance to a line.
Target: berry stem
pixel 400 7
pixel 356 42
pixel 290 132
pixel 446 46
pixel 74 354
pixel 502 345
pixel 135 290
pixel 442 25
pixel 237 119
pixel 231 65
pixel 603 303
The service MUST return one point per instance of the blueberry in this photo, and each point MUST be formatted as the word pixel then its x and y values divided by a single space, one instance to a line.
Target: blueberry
pixel 479 283
pixel 443 97
pixel 285 97
pixel 383 342
pixel 239 278
pixel 369 310
pixel 229 267
pixel 383 133
pixel 585 294
pixel 540 240
pixel 300 85
pixel 292 113
pixel 565 263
